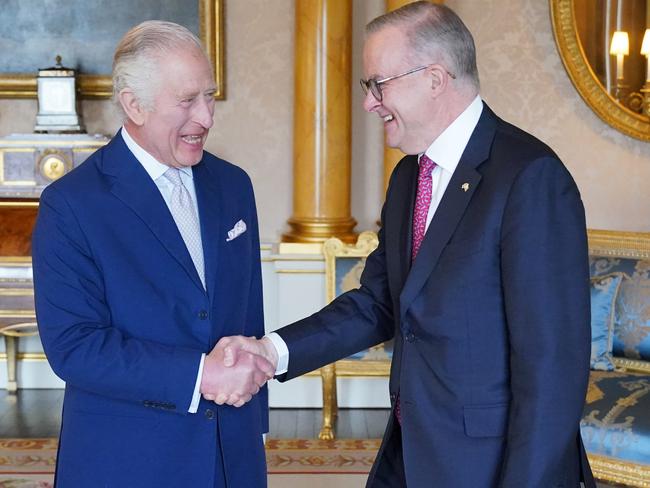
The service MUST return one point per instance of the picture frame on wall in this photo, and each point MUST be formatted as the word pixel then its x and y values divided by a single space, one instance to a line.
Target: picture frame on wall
pixel 85 32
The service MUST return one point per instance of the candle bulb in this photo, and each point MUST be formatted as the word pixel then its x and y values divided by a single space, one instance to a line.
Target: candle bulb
pixel 620 47
pixel 645 50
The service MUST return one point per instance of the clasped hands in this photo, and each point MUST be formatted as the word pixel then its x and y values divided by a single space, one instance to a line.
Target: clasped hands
pixel 236 369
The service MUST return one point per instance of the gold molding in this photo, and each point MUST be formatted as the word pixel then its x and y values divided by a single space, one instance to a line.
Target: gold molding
pixel 619 243
pixel 18 203
pixel 585 80
pixel 630 474
pixel 633 365
pixel 211 33
pixel 365 367
pixel 26 356
pixel 10 314
pixel 300 271
pixel 16 292
pixel 16 261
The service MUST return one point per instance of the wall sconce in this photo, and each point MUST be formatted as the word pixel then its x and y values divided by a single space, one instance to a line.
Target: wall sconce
pixel 620 47
pixel 645 91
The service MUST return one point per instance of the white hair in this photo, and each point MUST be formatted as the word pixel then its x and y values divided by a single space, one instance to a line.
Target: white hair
pixel 135 62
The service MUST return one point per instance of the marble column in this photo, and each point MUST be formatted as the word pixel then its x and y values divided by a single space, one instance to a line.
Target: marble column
pixel 322 123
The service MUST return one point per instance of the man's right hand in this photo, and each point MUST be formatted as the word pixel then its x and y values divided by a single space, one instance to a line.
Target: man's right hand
pixel 236 382
pixel 232 347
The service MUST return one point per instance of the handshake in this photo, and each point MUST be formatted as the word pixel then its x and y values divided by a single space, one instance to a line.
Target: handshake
pixel 237 368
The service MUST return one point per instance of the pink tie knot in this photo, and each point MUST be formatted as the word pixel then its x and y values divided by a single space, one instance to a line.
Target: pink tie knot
pixel 426 165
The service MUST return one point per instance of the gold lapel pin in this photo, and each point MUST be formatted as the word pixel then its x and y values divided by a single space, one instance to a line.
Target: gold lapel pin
pixel 465 186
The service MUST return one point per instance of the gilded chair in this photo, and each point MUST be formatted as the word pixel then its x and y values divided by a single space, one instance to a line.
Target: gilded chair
pixel 343 266
pixel 17 316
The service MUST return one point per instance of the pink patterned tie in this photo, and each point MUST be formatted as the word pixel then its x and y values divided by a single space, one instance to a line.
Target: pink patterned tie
pixel 420 212
pixel 422 203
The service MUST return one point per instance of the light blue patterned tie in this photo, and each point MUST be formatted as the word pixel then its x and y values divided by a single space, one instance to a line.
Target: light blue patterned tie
pixel 184 213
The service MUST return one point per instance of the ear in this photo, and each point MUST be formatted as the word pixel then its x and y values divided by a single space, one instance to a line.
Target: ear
pixel 439 79
pixel 131 106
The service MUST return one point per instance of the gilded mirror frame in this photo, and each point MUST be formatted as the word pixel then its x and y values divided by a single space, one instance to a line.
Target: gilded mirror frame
pixel 211 27
pixel 584 78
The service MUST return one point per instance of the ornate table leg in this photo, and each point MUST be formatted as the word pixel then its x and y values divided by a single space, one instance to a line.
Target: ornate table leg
pixel 10 347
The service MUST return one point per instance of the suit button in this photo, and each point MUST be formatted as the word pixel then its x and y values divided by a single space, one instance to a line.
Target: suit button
pixel 209 414
pixel 203 315
pixel 410 337
pixel 393 396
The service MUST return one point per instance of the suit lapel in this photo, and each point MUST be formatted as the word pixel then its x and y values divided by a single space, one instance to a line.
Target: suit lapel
pixel 398 218
pixel 451 209
pixel 209 200
pixel 133 186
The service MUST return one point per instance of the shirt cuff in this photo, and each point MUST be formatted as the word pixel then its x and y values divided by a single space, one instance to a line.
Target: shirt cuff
pixel 196 397
pixel 283 352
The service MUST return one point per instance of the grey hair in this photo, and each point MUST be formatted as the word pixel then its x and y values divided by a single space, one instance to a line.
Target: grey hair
pixel 135 62
pixel 436 34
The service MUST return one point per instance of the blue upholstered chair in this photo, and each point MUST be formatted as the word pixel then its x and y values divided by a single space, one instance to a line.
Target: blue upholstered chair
pixel 616 417
pixel 343 266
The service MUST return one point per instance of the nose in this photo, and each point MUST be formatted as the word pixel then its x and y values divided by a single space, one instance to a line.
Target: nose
pixel 204 111
pixel 370 103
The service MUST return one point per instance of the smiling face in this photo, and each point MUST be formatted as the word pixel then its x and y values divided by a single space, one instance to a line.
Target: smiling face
pixel 175 131
pixel 408 105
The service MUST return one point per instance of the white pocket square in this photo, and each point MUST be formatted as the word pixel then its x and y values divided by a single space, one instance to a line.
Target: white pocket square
pixel 236 231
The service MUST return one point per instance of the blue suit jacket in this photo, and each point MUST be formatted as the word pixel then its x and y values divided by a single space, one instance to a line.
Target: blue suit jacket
pixel 123 319
pixel 491 321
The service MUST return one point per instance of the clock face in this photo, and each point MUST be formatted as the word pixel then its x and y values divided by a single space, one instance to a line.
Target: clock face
pixel 57 96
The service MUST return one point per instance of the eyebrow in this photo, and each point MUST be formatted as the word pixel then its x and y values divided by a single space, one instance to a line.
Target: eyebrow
pixel 194 93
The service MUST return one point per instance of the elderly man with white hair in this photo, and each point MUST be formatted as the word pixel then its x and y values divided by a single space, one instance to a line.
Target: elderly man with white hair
pixel 144 256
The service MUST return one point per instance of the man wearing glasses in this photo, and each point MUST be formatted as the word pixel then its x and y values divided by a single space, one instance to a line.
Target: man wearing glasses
pixel 481 276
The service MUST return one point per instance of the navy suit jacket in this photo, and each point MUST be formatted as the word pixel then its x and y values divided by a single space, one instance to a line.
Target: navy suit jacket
pixel 491 321
pixel 124 318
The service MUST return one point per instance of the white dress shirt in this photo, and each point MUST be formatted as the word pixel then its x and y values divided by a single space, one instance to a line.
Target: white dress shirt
pixel 156 170
pixel 446 152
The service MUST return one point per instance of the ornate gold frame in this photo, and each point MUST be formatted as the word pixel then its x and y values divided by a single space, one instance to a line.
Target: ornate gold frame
pixel 334 248
pixel 211 26
pixel 585 80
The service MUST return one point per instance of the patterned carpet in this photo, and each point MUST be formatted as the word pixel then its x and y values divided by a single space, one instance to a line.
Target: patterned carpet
pixel 29 463
pixel 293 456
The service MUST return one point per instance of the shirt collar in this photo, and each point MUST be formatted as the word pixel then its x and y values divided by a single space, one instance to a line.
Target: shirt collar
pixel 154 168
pixel 447 149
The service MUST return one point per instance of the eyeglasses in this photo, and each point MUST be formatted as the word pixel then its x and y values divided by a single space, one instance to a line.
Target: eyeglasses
pixel 374 86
